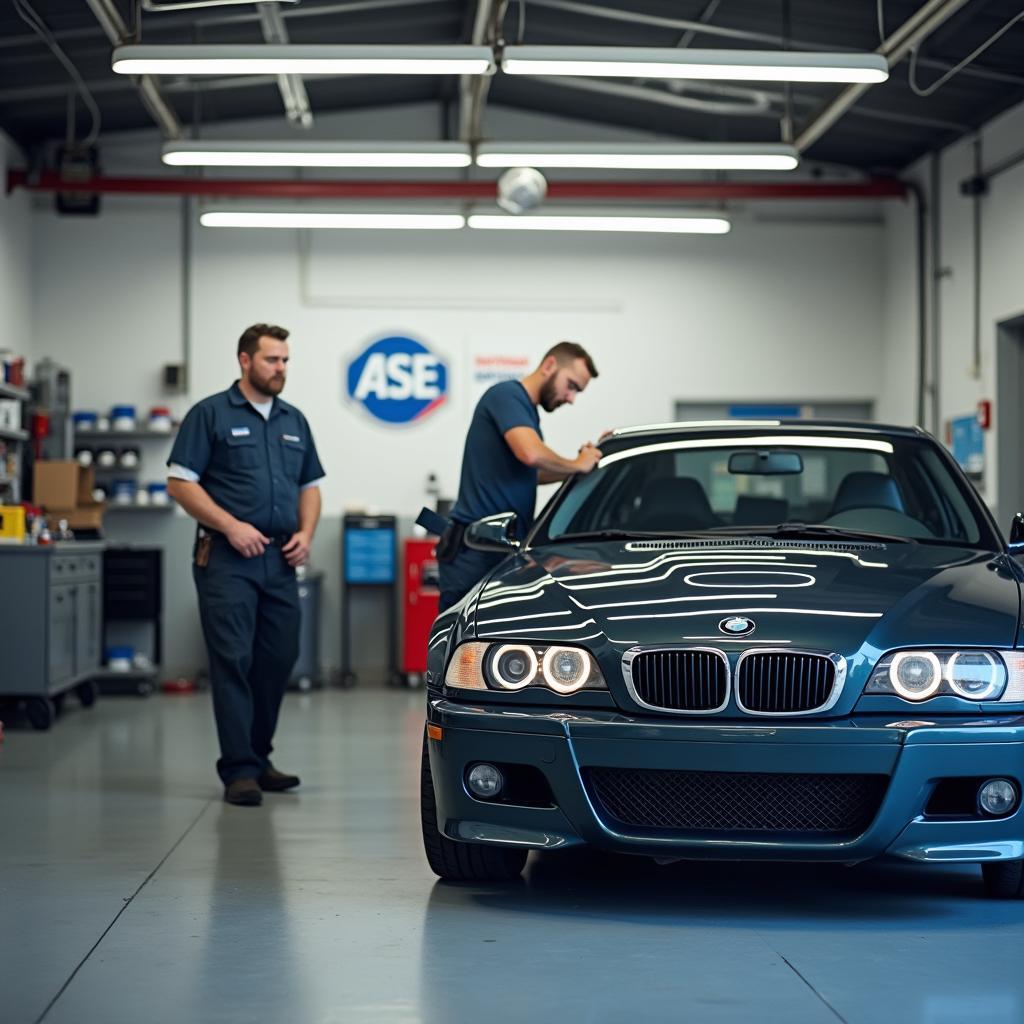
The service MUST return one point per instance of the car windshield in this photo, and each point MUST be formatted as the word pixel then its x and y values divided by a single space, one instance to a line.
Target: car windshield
pixel 892 488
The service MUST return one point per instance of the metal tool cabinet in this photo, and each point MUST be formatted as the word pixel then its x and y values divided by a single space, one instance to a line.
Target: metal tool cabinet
pixel 51 604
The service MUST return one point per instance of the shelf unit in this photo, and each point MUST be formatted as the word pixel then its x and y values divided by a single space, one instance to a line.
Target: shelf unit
pixel 116 439
pixel 10 483
pixel 96 436
pixel 118 507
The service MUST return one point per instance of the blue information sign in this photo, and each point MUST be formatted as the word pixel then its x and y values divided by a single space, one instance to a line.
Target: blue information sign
pixel 369 555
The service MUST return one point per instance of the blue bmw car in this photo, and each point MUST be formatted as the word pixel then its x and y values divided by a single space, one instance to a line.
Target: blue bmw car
pixel 746 640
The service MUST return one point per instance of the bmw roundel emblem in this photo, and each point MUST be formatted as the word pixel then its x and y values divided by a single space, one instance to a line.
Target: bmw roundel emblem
pixel 737 625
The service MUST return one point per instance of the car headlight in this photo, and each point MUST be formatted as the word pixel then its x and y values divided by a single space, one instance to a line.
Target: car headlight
pixel 973 675
pixel 510 666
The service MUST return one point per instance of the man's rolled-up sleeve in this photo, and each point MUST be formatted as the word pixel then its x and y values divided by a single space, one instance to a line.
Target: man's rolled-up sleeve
pixel 193 447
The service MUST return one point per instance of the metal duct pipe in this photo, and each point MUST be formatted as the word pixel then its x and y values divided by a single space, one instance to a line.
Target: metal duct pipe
pixel 621 191
pixel 916 28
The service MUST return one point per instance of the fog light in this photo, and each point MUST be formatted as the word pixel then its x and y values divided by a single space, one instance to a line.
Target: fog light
pixel 997 797
pixel 484 781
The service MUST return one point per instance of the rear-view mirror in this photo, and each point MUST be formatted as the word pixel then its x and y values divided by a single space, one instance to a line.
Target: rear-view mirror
pixel 765 463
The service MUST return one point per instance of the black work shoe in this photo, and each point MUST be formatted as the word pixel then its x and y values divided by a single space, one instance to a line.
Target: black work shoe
pixel 273 781
pixel 243 792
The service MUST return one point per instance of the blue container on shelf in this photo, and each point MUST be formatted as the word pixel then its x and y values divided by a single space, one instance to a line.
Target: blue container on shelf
pixel 122 417
pixel 119 659
pixel 84 420
pixel 122 492
pixel 158 494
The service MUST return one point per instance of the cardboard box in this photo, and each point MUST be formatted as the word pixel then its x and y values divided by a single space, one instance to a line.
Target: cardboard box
pixel 86 518
pixel 61 484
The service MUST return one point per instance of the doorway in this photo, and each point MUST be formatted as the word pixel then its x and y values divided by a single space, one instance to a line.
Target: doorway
pixel 1009 419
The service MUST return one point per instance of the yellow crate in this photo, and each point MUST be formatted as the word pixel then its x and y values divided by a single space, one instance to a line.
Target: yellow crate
pixel 12 523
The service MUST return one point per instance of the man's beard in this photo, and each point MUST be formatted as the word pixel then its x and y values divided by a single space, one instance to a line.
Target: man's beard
pixel 270 386
pixel 548 401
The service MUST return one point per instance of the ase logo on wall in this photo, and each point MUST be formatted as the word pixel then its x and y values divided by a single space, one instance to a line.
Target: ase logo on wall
pixel 398 380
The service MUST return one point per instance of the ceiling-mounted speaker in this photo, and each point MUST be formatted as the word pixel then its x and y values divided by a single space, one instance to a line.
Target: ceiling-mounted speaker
pixel 77 164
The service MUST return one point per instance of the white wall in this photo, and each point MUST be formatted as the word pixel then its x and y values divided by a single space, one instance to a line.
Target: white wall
pixel 778 310
pixel 960 384
pixel 15 258
pixel 788 306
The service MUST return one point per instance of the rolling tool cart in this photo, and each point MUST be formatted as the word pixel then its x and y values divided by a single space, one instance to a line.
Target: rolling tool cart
pixel 421 594
pixel 50 635
pixel 369 556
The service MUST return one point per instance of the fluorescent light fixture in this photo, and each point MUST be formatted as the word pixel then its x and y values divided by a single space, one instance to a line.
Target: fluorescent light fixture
pixel 316 154
pixel 293 59
pixel 735 65
pixel 698 156
pixel 611 222
pixel 351 221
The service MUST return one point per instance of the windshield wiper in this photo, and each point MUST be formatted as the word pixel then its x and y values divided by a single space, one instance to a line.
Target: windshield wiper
pixel 796 530
pixel 625 535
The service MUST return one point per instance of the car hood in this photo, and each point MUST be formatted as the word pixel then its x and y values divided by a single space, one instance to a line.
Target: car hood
pixel 846 599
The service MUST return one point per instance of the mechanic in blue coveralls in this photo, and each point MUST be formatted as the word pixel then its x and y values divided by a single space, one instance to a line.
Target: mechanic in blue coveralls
pixel 505 458
pixel 245 467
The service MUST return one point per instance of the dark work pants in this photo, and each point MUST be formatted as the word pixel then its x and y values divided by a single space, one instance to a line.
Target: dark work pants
pixel 250 613
pixel 459 576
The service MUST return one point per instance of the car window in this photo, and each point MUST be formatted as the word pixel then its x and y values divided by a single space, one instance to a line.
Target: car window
pixel 900 487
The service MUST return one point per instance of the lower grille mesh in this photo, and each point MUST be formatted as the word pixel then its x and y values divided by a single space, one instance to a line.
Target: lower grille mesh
pixel 731 802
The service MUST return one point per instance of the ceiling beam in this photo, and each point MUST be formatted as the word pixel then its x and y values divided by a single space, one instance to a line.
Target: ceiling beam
pixel 117 32
pixel 894 48
pixel 473 88
pixel 292 87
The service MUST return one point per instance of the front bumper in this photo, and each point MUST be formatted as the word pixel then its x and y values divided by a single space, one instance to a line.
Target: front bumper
pixel 562 745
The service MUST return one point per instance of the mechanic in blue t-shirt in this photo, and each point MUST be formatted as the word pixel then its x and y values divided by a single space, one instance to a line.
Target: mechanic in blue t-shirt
pixel 505 458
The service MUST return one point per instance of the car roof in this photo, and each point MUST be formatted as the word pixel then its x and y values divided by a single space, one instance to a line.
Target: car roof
pixel 739 427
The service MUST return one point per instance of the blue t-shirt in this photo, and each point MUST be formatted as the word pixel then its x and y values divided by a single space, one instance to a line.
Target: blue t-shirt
pixel 493 480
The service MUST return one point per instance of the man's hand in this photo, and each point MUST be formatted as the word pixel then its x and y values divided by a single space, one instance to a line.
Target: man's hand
pixel 246 540
pixel 587 459
pixel 296 551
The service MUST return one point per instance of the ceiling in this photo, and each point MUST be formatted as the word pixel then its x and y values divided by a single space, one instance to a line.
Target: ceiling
pixel 888 128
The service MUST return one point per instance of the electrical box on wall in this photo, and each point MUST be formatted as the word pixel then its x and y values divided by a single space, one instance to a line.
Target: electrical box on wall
pixel 174 378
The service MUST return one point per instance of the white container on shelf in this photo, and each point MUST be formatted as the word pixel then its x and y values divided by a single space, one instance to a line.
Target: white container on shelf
pixel 158 494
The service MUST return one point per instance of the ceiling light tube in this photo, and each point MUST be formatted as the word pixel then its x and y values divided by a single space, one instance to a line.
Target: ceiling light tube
pixel 294 59
pixel 351 221
pixel 698 156
pixel 576 222
pixel 733 65
pixel 316 154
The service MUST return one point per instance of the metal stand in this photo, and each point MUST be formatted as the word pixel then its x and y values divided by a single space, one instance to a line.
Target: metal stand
pixel 369 556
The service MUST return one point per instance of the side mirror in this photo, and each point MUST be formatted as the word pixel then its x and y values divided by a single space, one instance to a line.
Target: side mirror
pixel 1017 533
pixel 493 533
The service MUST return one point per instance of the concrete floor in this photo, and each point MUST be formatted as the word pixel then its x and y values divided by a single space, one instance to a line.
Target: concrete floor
pixel 130 893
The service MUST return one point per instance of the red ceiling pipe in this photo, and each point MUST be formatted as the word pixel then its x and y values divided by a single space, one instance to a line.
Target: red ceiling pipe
pixel 50 181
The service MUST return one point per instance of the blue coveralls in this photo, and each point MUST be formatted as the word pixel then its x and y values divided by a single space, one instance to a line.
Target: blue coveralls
pixel 249 607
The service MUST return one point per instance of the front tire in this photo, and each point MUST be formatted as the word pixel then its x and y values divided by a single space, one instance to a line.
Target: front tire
pixel 1004 879
pixel 461 862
